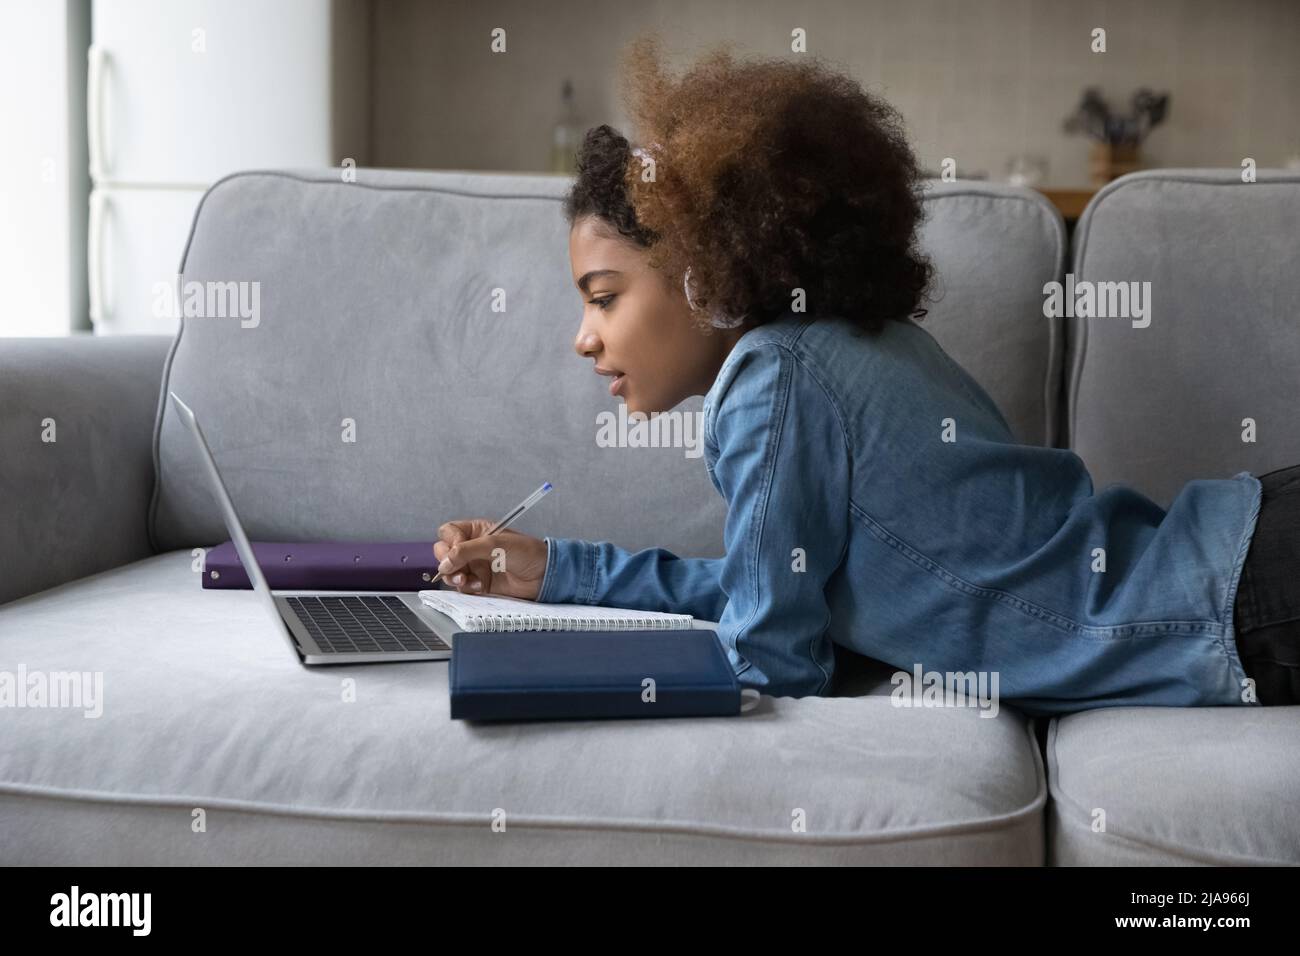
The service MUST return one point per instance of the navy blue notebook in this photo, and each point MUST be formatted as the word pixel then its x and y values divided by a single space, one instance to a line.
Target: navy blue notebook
pixel 553 675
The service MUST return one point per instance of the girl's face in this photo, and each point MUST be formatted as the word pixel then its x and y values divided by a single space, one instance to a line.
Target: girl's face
pixel 637 329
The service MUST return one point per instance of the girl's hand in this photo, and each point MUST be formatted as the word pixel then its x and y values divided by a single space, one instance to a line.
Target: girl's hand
pixel 471 562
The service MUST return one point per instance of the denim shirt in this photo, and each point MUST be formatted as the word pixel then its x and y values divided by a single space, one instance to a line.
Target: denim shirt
pixel 876 498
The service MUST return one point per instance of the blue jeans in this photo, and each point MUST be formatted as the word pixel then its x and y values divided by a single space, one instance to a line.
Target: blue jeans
pixel 1267 612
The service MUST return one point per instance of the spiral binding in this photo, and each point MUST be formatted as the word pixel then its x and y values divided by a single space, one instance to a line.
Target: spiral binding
pixel 480 623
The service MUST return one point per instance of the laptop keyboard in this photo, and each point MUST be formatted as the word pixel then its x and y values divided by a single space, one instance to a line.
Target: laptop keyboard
pixel 350 625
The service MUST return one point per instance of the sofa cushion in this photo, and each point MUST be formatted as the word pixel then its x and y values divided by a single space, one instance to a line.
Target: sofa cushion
pixel 1154 407
pixel 994 247
pixel 376 312
pixel 205 707
pixel 1174 786
pixel 376 308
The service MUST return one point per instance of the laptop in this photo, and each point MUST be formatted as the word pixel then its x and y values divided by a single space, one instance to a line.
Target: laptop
pixel 332 627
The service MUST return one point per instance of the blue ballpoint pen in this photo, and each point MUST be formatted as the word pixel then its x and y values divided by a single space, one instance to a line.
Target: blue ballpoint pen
pixel 511 515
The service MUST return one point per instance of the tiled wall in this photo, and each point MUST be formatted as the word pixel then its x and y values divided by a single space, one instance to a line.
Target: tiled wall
pixel 976 80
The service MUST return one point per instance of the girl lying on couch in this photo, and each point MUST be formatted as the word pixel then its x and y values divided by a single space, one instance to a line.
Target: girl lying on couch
pixel 761 250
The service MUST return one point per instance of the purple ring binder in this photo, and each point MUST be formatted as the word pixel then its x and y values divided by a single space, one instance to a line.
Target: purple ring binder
pixel 326 565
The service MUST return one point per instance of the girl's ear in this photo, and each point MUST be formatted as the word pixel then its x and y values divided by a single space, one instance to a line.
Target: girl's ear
pixel 717 318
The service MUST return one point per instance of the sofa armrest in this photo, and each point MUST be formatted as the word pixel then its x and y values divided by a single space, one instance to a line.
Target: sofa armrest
pixel 78 504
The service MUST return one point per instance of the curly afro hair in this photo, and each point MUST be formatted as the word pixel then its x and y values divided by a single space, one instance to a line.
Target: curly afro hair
pixel 763 178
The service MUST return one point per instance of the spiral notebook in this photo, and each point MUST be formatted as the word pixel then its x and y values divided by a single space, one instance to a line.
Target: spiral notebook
pixel 473 612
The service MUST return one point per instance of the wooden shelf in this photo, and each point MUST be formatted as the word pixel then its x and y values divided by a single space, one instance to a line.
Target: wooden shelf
pixel 1070 202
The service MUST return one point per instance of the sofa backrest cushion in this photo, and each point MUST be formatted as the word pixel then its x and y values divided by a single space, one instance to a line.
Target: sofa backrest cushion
pixel 1156 405
pixel 994 248
pixel 379 391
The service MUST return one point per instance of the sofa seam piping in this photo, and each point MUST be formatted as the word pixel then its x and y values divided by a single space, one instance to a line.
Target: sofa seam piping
pixel 1010 820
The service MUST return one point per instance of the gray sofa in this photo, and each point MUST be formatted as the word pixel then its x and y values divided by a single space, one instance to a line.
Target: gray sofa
pixel 214 744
